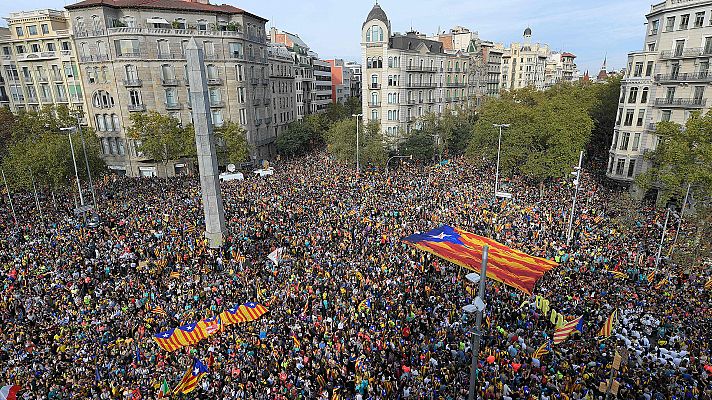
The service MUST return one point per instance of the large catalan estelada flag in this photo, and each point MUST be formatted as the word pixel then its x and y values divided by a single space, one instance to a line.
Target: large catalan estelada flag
pixel 511 267
pixel 243 313
pixel 191 378
pixel 567 329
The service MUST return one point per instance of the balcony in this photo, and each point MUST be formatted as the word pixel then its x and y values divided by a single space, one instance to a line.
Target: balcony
pixel 43 55
pixel 211 56
pixel 217 103
pixel 422 85
pixel 62 99
pixel 685 53
pixel 94 58
pixel 258 121
pixel 46 99
pixel 455 85
pixel 235 55
pixel 411 101
pixel 417 68
pixel 137 107
pixel 32 100
pixel 215 81
pixel 374 86
pixel 132 82
pixel 683 103
pixel 135 55
pixel 6 57
pixel 372 104
pixel 173 106
pixel 686 77
pixel 256 102
pixel 170 82
pixel 42 79
pixel 170 56
pixel 255 81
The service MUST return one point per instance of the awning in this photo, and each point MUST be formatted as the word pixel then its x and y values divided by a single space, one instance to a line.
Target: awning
pixel 157 21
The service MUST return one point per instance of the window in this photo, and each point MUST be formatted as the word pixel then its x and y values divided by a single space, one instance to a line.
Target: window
pixel 633 95
pixel 374 115
pixel 670 94
pixel 238 73
pixel 374 99
pixel 217 117
pixel 135 97
pixel 32 30
pixel 131 73
pixel 699 19
pixel 51 47
pixel 679 47
pixel 130 22
pixel 66 46
pixel 167 72
pixel 164 49
pixel 651 46
pixel 636 141
pixel 215 96
pixel 179 23
pixel 20 49
pixel 631 168
pixel 100 124
pixel 171 97
pixel 628 118
pixel 620 166
pixel 236 50
pixel 649 69
pixel 638 69
pixel 202 25
pixel 699 94
pixel 708 45
pixel 127 47
pixel 102 99
pixel 374 81
pixel 641 114
pixel 19 31
pixel 669 24
pixel 644 96
pixel 243 116
pixel 665 115
pixel 684 21
pixel 654 27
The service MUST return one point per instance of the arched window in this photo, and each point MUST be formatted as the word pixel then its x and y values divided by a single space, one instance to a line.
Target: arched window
pixel 130 22
pixel 369 63
pixel 131 72
pixel 376 34
pixel 101 46
pixel 108 122
pixel 100 123
pixel 368 35
pixel 80 23
pixel 390 62
pixel 374 81
pixel 644 96
pixel 374 115
pixel 374 99
pixel 380 62
pixel 95 22
pixel 115 118
pixel 102 99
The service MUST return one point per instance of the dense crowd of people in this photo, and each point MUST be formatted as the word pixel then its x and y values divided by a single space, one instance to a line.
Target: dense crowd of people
pixel 77 302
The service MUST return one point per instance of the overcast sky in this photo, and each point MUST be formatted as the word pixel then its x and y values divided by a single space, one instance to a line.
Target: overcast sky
pixel 589 29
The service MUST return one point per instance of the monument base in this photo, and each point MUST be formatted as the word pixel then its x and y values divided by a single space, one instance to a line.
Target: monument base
pixel 215 239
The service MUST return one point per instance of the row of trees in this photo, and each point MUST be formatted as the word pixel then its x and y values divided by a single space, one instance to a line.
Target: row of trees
pixel 34 146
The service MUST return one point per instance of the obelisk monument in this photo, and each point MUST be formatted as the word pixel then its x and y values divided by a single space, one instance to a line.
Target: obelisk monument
pixel 207 160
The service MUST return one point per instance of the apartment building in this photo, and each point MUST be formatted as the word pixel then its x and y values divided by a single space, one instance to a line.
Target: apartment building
pixel 407 76
pixel 524 64
pixel 322 86
pixel 281 74
pixel 132 56
pixel 560 68
pixel 666 81
pixel 4 98
pixel 303 69
pixel 39 64
pixel 356 78
pixel 341 77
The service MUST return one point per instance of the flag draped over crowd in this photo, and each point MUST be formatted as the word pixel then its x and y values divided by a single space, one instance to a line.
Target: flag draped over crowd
pixel 567 329
pixel 193 333
pixel 511 267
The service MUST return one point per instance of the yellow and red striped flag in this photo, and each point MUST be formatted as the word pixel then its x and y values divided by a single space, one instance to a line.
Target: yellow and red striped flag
pixel 191 378
pixel 607 328
pixel 651 277
pixel 542 350
pixel 175 275
pixel 618 274
pixel 567 329
pixel 159 310
pixel 297 343
pixel 661 283
pixel 243 313
pixel 511 267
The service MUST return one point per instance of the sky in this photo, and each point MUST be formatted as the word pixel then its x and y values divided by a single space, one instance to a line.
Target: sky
pixel 591 30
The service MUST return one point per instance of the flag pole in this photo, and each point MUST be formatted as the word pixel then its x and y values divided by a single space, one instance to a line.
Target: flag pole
pixel 477 337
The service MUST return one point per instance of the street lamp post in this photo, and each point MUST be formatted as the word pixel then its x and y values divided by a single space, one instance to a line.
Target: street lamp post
pixel 577 182
pixel 86 161
pixel 358 165
pixel 410 157
pixel 478 307
pixel 74 160
pixel 682 214
pixel 662 239
pixel 499 149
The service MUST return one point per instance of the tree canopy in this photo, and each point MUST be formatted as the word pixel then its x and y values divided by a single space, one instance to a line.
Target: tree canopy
pixel 161 136
pixel 341 142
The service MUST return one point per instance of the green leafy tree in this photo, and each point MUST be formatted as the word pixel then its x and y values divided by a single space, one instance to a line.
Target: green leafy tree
pixel 295 140
pixel 341 142
pixel 162 137
pixel 352 106
pixel 684 156
pixel 419 144
pixel 547 130
pixel 7 128
pixel 232 146
pixel 373 147
pixel 603 112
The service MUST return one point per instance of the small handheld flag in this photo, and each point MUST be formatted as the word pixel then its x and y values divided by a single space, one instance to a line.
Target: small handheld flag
pixel 567 329
pixel 607 328
pixel 364 305
pixel 191 378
